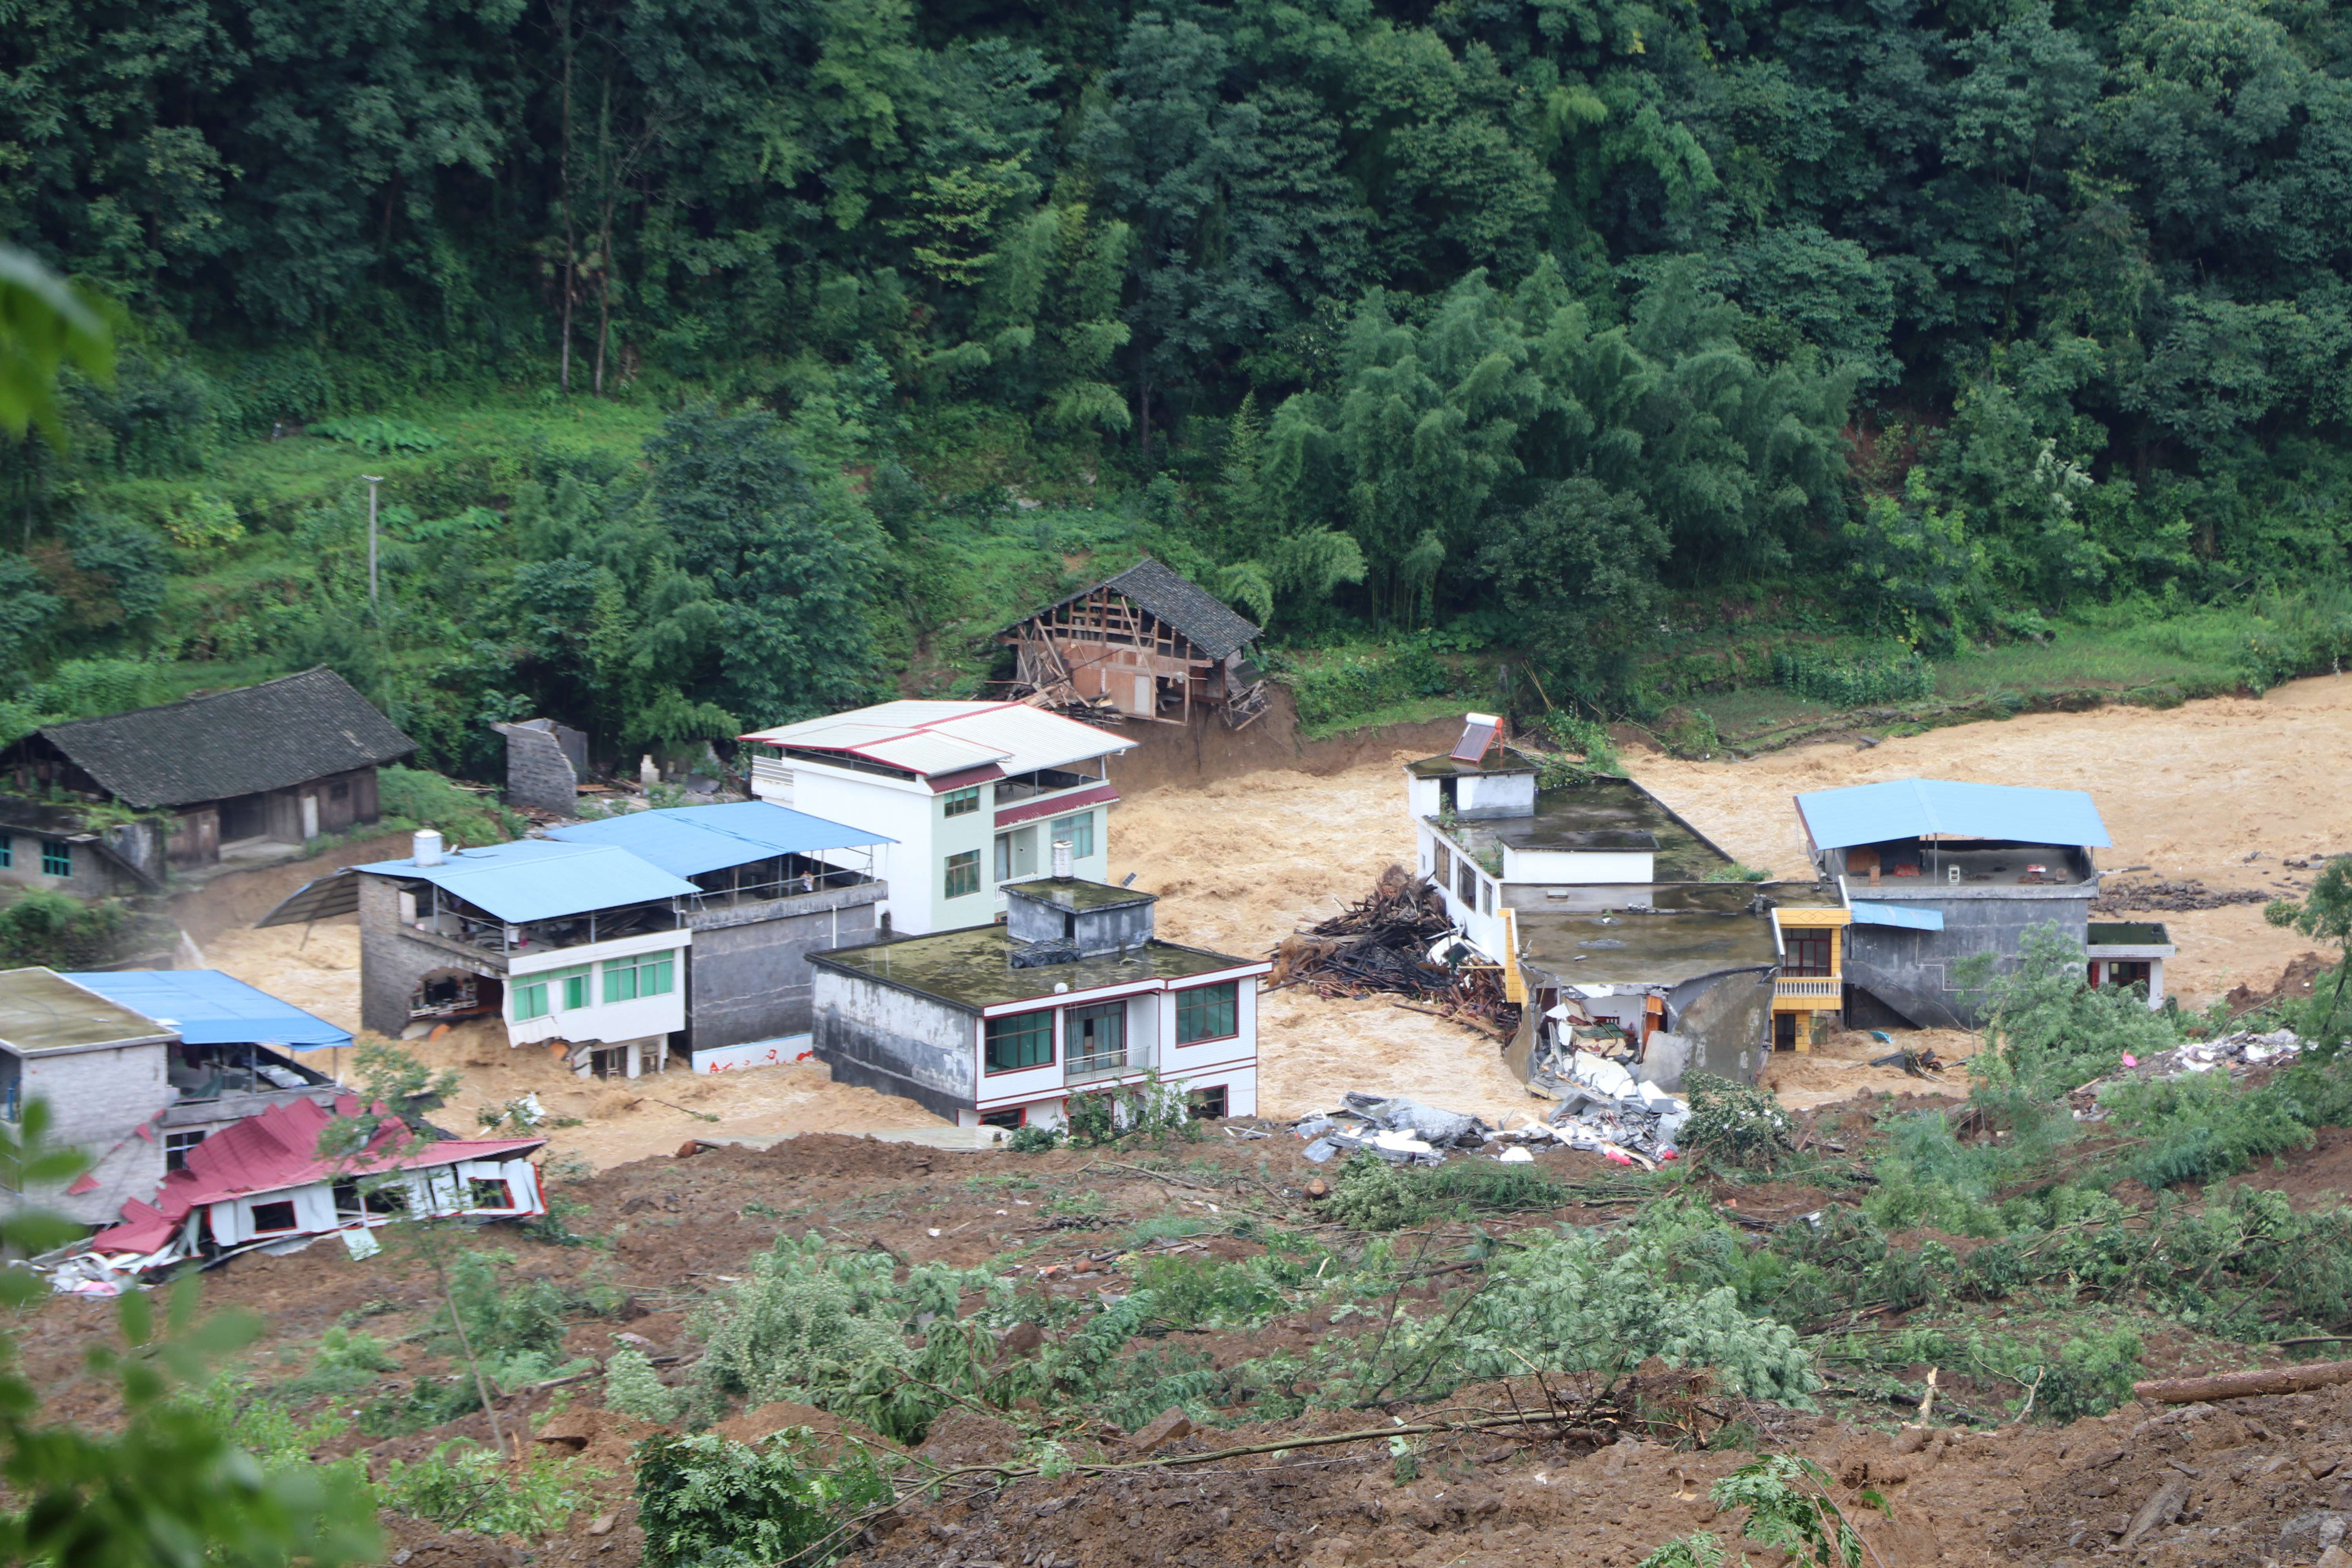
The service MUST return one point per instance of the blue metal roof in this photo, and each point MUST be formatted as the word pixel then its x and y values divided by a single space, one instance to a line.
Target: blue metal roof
pixel 209 1008
pixel 686 841
pixel 1909 808
pixel 1902 915
pixel 542 879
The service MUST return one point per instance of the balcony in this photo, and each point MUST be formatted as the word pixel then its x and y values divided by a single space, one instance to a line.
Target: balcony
pixel 1808 988
pixel 1082 1068
pixel 1045 781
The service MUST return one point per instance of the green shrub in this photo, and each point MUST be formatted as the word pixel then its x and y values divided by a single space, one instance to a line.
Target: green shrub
pixel 2201 1126
pixel 2051 1029
pixel 463 1486
pixel 707 1501
pixel 813 1323
pixel 1371 1194
pixel 634 1388
pixel 1577 1301
pixel 57 931
pixel 1855 681
pixel 427 800
pixel 1733 1123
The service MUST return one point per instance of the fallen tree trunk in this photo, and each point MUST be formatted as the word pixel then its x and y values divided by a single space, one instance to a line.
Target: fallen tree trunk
pixel 2239 1384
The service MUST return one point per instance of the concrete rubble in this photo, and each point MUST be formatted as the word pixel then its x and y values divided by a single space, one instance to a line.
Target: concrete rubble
pixel 2238 1055
pixel 1401 1131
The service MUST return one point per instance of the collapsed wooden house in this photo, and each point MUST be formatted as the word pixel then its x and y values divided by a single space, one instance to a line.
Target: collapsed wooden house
pixel 1147 643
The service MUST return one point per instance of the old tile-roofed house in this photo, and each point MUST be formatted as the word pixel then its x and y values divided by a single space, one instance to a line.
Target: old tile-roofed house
pixel 284 760
pixel 1146 644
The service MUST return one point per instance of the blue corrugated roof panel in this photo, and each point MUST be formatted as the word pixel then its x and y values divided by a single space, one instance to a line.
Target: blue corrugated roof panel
pixel 686 841
pixel 209 1008
pixel 1902 915
pixel 542 879
pixel 1909 808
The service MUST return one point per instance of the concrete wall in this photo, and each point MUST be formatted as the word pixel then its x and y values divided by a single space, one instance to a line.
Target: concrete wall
pixel 98 1100
pixel 1910 971
pixel 1726 1020
pixel 600 1022
pixel 748 976
pixel 881 1038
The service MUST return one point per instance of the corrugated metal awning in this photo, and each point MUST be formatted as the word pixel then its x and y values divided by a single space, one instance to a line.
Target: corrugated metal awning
pixel 1901 915
pixel 337 894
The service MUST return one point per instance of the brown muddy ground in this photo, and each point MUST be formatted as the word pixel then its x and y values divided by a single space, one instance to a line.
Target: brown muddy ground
pixel 2257 1480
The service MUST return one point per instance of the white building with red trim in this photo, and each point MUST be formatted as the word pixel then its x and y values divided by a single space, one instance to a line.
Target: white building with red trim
pixel 1003 1025
pixel 973 795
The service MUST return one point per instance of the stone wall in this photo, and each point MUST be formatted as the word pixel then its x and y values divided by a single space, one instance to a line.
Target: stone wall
pixel 393 961
pixel 541 769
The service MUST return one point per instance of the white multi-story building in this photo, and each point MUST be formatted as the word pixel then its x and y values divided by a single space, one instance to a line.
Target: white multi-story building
pixel 973 795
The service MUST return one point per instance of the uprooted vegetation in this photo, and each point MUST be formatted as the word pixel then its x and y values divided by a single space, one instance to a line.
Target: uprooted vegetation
pixel 899 1313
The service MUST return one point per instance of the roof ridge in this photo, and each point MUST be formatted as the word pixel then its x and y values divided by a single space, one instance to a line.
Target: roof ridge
pixel 187 702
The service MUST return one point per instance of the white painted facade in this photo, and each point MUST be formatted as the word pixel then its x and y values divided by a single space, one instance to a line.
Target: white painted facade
pixel 599 1021
pixel 1149 1015
pixel 439 1190
pixel 937 817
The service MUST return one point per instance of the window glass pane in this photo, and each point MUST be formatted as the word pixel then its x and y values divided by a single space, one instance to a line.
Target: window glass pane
pixel 1097 1037
pixel 1078 831
pixel 57 859
pixel 1208 1013
pixel 963 874
pixel 530 1001
pixel 1442 868
pixel 7 850
pixel 1023 1040
pixel 1466 881
pixel 1003 856
pixel 575 991
pixel 962 802
pixel 653 977
pixel 620 981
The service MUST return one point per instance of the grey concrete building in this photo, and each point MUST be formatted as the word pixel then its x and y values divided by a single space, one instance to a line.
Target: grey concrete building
pixel 135 1091
pixel 1001 1025
pixel 1936 873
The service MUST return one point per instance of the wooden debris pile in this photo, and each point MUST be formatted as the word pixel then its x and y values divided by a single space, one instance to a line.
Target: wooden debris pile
pixel 1381 944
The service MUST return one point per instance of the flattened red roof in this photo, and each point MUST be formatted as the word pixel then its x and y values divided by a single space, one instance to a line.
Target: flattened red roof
pixel 279 1150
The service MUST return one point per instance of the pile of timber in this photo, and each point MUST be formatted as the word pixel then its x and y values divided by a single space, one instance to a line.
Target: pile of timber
pixel 1381 944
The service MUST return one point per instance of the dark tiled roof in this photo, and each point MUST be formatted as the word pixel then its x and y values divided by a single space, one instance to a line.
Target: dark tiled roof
pixel 270 736
pixel 1200 616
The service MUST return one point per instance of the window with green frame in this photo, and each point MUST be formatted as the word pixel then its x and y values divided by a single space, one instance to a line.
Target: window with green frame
pixel 646 975
pixel 1208 1013
pixel 7 852
pixel 577 991
pixel 961 802
pixel 1022 1040
pixel 1077 831
pixel 530 999
pixel 963 874
pixel 57 858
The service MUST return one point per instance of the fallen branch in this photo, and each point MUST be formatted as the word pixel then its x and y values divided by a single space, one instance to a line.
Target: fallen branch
pixel 2240 1384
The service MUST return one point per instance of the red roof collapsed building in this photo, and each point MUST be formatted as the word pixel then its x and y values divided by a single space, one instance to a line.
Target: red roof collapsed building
pixel 265 1179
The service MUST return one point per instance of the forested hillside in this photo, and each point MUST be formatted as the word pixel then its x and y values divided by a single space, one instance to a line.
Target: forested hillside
pixel 725 360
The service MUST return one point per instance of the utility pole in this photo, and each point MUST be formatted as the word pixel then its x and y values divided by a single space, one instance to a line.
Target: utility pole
pixel 373 481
